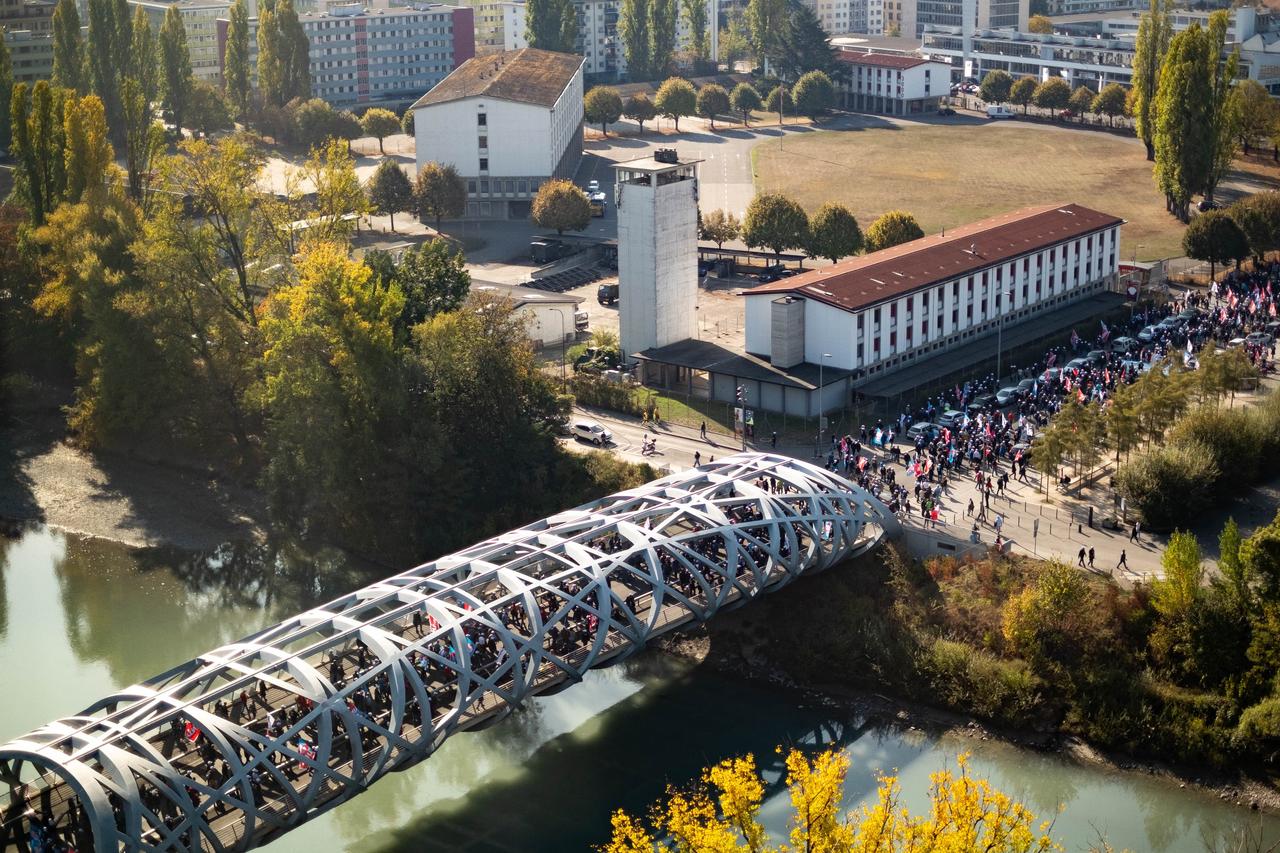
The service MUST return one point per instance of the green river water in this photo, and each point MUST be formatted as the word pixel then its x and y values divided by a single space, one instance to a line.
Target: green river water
pixel 80 618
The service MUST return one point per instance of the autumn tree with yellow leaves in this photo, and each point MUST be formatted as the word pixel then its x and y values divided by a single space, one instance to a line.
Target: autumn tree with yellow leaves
pixel 721 814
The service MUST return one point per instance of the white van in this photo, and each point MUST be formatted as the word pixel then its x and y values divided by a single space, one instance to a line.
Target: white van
pixel 999 111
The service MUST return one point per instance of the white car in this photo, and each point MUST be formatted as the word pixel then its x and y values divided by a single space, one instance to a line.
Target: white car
pixel 592 432
pixel 593 187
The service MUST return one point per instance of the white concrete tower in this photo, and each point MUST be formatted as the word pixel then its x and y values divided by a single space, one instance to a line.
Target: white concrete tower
pixel 657 203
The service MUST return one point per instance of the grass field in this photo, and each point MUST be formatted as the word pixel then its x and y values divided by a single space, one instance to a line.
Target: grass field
pixel 950 174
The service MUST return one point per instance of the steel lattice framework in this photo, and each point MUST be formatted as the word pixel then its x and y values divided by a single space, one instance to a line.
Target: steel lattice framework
pixel 232 749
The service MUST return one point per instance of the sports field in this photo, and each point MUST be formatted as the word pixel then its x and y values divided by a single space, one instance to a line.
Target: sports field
pixel 953 173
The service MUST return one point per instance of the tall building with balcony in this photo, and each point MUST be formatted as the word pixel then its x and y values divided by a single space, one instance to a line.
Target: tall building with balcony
pixel 200 20
pixel 918 15
pixel 27 29
pixel 598 41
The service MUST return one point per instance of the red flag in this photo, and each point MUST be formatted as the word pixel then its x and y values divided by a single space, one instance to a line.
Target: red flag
pixel 1253 307
pixel 1271 309
pixel 1080 394
pixel 1232 300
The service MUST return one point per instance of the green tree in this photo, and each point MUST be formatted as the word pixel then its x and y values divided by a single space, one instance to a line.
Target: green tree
pixel 1258 216
pixel 767 22
pixel 1022 92
pixel 603 106
pixel 1176 599
pixel 695 19
pixel 834 233
pixel 1123 426
pixel 779 100
pixel 390 190
pixel 209 110
pixel 891 229
pixel 719 227
pixel 1258 113
pixel 1232 568
pixel 561 205
pixel 996 86
pixel 236 57
pixel 775 222
pixel 735 38
pixel 1215 237
pixel 6 96
pixel 814 94
pixel 1184 136
pixel 805 46
pixel 713 100
pixel 549 25
pixel 68 48
pixel 633 29
pixel 640 109
pixel 294 52
pixel 1110 102
pixel 379 123
pixel 106 58
pixel 406 122
pixel 144 61
pixel 439 193
pixel 175 66
pixel 340 201
pixel 1053 94
pixel 676 98
pixel 38 145
pixel 1082 98
pixel 270 70
pixel 88 150
pixel 745 100
pixel 664 17
pixel 434 279
pixel 1225 104
pixel 1155 29
pixel 144 141
pixel 315 121
pixel 1039 24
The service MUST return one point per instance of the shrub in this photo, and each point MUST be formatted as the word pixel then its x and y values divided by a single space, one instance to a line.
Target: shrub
pixel 1229 435
pixel 1005 691
pixel 1170 486
pixel 1259 729
pixel 593 391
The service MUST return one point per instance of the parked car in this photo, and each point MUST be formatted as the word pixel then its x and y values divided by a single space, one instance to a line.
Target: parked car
pixel 1065 114
pixel 1051 374
pixel 951 419
pixel 1135 364
pixel 1148 334
pixel 1078 364
pixel 591 431
pixel 980 403
pixel 1095 357
pixel 593 187
pixel 607 294
pixel 1205 205
pixel 1235 343
pixel 946 111
pixel 1188 314
pixel 1007 396
pixel 1025 386
pixel 1123 344
pixel 998 111
pixel 923 428
pixel 1258 339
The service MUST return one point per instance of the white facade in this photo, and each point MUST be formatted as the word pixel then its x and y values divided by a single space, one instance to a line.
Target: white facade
pixel 657 205
pixel 548 317
pixel 513 26
pixel 896 85
pixel 893 332
pixel 844 16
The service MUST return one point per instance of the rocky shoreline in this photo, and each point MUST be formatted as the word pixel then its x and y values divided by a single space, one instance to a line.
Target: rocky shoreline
pixel 698 647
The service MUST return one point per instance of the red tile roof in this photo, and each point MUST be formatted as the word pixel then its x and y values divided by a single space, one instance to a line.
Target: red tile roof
pixel 881 60
pixel 868 279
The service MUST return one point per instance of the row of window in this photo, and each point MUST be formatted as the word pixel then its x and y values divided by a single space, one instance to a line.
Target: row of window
pixel 503 186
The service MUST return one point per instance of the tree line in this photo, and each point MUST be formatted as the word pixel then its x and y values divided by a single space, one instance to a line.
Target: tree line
pixel 1054 94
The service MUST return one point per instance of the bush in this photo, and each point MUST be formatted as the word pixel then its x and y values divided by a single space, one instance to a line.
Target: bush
pixel 1259 729
pixel 968 679
pixel 1170 486
pixel 592 391
pixel 1230 437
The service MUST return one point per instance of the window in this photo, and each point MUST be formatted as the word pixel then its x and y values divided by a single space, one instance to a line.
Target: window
pixel 484 142
pixel 471 187
pixel 482 120
pixel 484 164
pixel 484 187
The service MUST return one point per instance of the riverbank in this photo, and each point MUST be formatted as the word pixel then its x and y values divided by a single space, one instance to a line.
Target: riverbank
pixel 124 497
pixel 738 645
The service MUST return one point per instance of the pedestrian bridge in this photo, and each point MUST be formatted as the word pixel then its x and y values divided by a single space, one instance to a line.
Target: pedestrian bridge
pixel 233 749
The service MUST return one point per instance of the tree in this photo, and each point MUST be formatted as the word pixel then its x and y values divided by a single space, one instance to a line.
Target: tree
pixel 551 25
pixel 434 279
pixel 892 229
pixel 1258 216
pixel 664 17
pixel 314 121
pixel 439 193
pixel 722 813
pixel 561 205
pixel 719 227
pixel 776 222
pixel 603 106
pixel 814 93
pixel 270 71
pixel 804 45
pixel 639 109
pixel 695 19
pixel 1022 91
pixel 675 99
pixel 713 100
pixel 236 57
pixel 406 122
pixel 379 123
pixel 633 29
pixel 1184 136
pixel 735 38
pixel 1154 32
pixel 767 21
pixel 144 141
pixel 1225 104
pixel 1110 102
pixel 779 100
pixel 340 201
pixel 1082 98
pixel 175 65
pixel 390 190
pixel 144 58
pixel 1122 423
pixel 88 151
pixel 1039 24
pixel 746 100
pixel 834 233
pixel 294 52
pixel 1176 599
pixel 209 109
pixel 38 146
pixel 1258 113
pixel 996 87
pixel 1215 237
pixel 106 58
pixel 6 96
pixel 68 48
pixel 1053 94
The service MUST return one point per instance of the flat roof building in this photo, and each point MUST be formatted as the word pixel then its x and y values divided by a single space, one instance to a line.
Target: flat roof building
pixel 507 122
pixel 892 84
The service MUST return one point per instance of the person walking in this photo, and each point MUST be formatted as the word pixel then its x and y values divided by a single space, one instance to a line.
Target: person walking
pixel 999 522
pixel 969 511
pixel 703 430
pixel 1091 558
pixel 1133 534
pixel 773 441
pixel 1080 557
pixel 697 458
pixel 1124 561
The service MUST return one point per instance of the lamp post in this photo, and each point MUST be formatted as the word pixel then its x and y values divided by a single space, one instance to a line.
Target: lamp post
pixel 821 363
pixel 1133 279
pixel 1000 337
pixel 563 381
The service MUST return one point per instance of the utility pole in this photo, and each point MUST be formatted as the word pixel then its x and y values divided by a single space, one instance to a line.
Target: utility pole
pixel 999 338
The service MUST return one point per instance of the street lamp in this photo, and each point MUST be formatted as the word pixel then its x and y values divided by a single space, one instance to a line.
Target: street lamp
pixel 563 381
pixel 1000 336
pixel 821 363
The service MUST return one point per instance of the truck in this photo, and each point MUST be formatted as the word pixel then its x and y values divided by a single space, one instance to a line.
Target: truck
pixel 998 111
pixel 597 200
pixel 546 251
pixel 607 294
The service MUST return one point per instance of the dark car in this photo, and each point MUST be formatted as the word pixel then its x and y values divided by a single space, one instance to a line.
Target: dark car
pixel 1007 396
pixel 1025 386
pixel 946 111
pixel 1096 356
pixel 980 403
pixel 1208 205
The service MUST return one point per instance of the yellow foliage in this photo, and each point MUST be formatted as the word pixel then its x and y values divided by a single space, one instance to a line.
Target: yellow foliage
pixel 721 815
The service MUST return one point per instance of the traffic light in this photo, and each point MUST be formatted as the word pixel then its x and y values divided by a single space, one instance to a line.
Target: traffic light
pixel 741 395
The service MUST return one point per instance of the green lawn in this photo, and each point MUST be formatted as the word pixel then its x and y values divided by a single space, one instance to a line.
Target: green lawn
pixel 951 174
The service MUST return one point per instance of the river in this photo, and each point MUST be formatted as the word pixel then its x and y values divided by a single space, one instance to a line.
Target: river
pixel 80 618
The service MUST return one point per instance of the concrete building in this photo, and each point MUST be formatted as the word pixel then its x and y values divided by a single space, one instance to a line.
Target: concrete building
pixel 598 41
pixel 918 15
pixel 27 29
pixel 549 317
pixel 489 24
pixel 887 310
pixel 200 19
pixel 893 85
pixel 845 16
pixel 507 122
pixel 657 208
pixel 378 57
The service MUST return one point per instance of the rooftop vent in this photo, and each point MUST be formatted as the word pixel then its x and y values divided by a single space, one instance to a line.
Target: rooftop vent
pixel 665 155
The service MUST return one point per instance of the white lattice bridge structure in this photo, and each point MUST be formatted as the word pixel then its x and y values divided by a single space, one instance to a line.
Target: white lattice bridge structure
pixel 234 748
